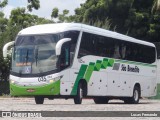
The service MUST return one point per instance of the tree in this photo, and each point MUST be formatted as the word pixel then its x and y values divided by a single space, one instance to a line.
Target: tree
pixel 4 66
pixel 3 3
pixel 131 17
pixel 3 23
pixel 65 12
pixel 54 13
pixel 156 6
pixel 101 11
pixel 63 17
pixel 33 4
pixel 3 27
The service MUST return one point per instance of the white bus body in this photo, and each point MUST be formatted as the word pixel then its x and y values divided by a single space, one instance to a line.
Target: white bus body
pixel 102 64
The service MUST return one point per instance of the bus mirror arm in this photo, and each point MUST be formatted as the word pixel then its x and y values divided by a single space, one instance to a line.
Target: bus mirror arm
pixel 59 45
pixel 5 48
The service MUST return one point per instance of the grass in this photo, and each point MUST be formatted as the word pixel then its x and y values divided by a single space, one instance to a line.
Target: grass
pixel 158 93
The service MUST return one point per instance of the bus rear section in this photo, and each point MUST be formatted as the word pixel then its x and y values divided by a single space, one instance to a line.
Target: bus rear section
pixel 117 67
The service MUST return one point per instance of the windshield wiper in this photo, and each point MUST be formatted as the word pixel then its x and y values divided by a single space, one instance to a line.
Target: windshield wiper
pixel 37 62
pixel 36 55
pixel 26 57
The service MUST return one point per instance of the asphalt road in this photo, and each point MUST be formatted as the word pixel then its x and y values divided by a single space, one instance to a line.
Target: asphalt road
pixel 28 104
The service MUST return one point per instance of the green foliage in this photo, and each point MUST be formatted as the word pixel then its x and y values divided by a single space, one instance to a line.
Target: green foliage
pixel 92 13
pixel 64 17
pixel 55 13
pixel 114 11
pixel 3 23
pixel 65 12
pixel 131 17
pixel 141 22
pixel 3 3
pixel 19 17
pixel 156 7
pixel 154 28
pixel 4 75
pixel 33 4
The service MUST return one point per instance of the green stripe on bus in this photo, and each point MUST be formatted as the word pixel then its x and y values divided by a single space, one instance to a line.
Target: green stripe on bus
pixel 97 65
pixel 110 62
pixel 79 76
pixel 86 71
pixel 104 63
pixel 89 71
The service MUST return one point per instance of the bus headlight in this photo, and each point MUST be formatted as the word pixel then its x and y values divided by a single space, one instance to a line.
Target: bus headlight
pixel 55 79
pixel 51 81
pixel 12 81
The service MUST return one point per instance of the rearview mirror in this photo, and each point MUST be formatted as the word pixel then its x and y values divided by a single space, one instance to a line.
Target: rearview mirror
pixel 5 48
pixel 59 45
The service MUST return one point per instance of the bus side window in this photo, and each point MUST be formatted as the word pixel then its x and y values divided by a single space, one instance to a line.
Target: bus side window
pixel 122 50
pixel 99 47
pixel 128 53
pixel 116 51
pixel 87 45
pixel 74 37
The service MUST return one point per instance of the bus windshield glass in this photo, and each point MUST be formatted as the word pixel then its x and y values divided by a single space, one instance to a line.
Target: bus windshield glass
pixel 34 54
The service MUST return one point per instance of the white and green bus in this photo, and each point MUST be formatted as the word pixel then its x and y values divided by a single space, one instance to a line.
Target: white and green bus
pixel 71 60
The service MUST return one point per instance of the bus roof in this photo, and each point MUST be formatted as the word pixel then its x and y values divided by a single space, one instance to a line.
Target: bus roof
pixel 60 27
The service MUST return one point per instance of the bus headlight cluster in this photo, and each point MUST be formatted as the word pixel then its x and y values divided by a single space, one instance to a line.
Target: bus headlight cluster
pixel 51 81
pixel 55 79
pixel 13 82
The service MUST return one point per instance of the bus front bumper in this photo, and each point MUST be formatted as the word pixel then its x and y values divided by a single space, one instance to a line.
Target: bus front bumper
pixel 48 89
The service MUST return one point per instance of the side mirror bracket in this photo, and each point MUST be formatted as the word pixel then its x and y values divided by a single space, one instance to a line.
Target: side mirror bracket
pixel 5 48
pixel 59 45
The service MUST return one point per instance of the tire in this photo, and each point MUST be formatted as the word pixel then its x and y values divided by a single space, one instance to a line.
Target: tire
pixel 39 100
pixel 135 98
pixel 79 96
pixel 100 100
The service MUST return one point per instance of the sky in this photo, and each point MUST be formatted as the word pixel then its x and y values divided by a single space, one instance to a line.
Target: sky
pixel 46 6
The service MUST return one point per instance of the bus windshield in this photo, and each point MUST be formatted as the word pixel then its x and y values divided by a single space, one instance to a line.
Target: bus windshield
pixel 34 54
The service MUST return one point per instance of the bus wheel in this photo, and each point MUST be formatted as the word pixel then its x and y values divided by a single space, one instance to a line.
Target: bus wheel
pixel 100 100
pixel 135 98
pixel 79 96
pixel 39 99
